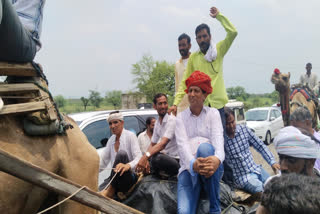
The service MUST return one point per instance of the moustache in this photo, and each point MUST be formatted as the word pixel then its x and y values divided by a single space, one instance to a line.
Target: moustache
pixel 204 44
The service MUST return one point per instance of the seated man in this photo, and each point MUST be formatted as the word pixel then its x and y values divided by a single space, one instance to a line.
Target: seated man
pixel 301 118
pixel 297 151
pixel 199 134
pixel 123 153
pixel 291 194
pixel 20 29
pixel 144 138
pixel 247 174
pixel 162 151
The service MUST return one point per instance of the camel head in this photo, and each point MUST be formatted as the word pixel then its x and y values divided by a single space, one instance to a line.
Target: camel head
pixel 280 80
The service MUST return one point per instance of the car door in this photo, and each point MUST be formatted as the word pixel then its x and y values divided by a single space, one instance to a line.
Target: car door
pixel 272 123
pixel 279 121
pixel 98 133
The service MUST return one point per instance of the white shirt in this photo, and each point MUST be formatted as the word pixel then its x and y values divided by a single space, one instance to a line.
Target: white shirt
pixel 128 143
pixel 179 69
pixel 166 129
pixel 311 80
pixel 144 141
pixel 193 130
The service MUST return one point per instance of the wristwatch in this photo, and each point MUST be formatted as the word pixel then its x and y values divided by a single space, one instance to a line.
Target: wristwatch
pixel 148 155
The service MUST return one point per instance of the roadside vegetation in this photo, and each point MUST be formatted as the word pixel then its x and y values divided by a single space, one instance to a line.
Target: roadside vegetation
pixel 151 77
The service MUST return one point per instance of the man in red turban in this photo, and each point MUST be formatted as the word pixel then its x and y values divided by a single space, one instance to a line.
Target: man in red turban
pixel 199 135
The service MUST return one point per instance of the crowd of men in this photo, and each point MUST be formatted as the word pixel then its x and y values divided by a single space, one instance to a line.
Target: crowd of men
pixel 195 144
pixel 198 135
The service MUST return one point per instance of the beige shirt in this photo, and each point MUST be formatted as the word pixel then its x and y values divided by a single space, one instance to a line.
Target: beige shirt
pixel 179 69
pixel 311 81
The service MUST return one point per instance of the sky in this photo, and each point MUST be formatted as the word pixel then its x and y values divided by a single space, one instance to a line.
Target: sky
pixel 91 45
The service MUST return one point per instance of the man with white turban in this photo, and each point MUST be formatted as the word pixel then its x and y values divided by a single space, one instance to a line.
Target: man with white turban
pixel 123 153
pixel 297 150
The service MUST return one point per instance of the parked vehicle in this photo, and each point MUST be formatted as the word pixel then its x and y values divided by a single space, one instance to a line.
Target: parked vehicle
pixel 238 109
pixel 95 125
pixel 265 122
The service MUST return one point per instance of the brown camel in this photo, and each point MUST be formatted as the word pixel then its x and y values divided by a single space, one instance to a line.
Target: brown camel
pixel 299 97
pixel 70 156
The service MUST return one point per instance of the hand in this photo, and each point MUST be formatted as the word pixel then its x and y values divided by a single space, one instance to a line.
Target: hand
pixel 214 12
pixel 206 166
pixel 275 168
pixel 122 168
pixel 173 109
pixel 142 164
pixel 210 166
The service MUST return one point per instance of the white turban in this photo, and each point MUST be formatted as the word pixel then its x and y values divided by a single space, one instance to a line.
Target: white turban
pixel 115 116
pixel 291 142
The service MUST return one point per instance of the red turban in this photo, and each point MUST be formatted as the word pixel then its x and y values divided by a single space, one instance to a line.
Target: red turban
pixel 200 79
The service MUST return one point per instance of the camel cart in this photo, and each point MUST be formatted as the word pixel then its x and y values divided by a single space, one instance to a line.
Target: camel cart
pixel 52 182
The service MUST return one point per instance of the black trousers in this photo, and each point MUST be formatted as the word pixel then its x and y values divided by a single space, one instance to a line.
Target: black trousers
pixel 120 183
pixel 161 163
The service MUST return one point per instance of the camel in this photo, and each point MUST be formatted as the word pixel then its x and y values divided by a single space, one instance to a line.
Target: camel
pixel 70 156
pixel 300 96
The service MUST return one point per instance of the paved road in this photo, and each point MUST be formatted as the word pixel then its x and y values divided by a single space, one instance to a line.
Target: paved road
pixel 259 159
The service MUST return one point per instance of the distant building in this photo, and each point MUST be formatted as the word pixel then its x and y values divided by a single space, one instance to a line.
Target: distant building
pixel 132 100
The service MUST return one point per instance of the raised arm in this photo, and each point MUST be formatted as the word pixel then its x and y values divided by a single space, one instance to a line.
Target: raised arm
pixel 224 45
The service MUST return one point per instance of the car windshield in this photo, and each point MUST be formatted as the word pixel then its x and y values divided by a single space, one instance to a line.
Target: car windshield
pixel 257 115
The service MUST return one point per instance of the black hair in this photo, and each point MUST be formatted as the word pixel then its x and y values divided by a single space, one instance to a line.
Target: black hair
pixel 292 194
pixel 158 96
pixel 184 36
pixel 228 112
pixel 309 64
pixel 149 119
pixel 201 27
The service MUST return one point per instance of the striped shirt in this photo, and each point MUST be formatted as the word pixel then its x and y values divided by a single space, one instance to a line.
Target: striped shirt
pixel 239 157
pixel 30 13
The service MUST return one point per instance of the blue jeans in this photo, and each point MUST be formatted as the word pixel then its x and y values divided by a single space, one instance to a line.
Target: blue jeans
pixel 189 186
pixel 256 181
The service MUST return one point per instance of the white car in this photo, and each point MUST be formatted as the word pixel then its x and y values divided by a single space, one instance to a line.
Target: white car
pixel 265 122
pixel 95 126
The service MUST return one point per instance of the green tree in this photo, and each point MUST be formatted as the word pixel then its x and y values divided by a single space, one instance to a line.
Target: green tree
pixel 238 93
pixel 85 102
pixel 60 101
pixel 153 77
pixel 114 98
pixel 95 98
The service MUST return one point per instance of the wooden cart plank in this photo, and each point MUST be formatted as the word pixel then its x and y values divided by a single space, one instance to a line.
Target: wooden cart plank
pixel 17 69
pixel 45 179
pixel 21 87
pixel 23 107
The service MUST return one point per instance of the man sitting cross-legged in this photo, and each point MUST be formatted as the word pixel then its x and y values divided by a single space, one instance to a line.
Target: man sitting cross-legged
pixel 199 134
pixel 123 153
pixel 162 151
